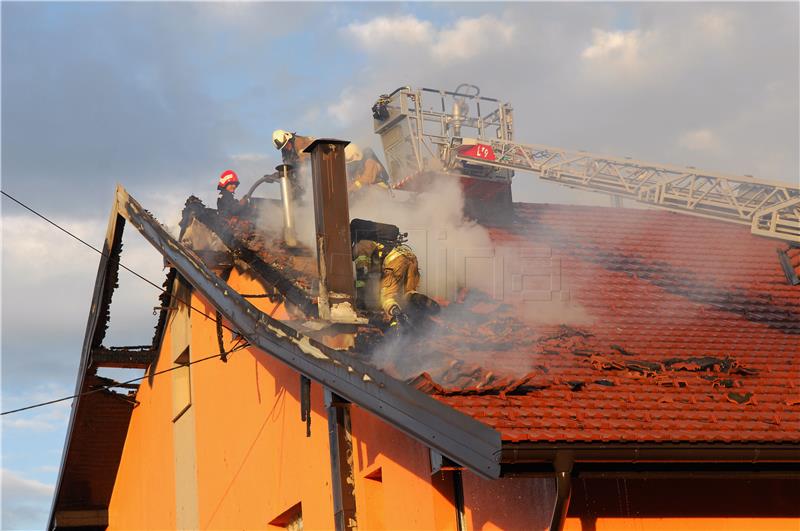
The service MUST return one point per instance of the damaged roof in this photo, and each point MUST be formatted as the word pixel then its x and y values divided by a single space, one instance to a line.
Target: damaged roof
pixel 662 328
pixel 654 327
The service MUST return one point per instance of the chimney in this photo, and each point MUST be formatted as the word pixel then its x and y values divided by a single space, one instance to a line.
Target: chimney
pixel 289 236
pixel 332 220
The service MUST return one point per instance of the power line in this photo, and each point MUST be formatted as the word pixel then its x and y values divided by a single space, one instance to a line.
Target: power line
pixel 101 253
pixel 89 245
pixel 132 380
pixel 221 355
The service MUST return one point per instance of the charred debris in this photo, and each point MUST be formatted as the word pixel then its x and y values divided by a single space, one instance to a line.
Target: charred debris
pixel 450 352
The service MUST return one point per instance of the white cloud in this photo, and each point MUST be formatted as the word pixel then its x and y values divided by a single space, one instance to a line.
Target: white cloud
pixel 28 424
pixel 698 140
pixel 46 418
pixel 616 47
pixel 29 245
pixel 383 31
pixel 25 501
pixel 464 39
pixel 468 37
pixel 15 484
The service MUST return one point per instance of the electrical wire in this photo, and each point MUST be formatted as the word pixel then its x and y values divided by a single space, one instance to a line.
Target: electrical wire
pixel 126 268
pixel 90 246
pixel 236 347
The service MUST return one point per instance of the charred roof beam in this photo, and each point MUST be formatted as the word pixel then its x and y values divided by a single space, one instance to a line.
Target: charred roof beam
pixel 454 434
pixel 123 357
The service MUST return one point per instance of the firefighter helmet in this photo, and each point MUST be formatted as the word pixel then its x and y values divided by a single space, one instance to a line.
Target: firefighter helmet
pixel 352 153
pixel 227 177
pixel 280 138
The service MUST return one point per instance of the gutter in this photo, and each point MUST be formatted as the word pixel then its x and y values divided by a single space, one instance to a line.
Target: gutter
pixel 533 454
pixel 581 460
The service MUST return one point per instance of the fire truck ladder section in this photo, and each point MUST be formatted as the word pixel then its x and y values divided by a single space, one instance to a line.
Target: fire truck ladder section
pixel 770 208
pixel 465 133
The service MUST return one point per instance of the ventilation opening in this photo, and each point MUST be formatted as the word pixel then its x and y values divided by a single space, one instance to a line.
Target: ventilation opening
pixel 181 385
pixel 290 519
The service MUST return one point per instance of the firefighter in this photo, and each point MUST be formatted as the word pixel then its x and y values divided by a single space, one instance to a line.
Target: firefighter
pixel 399 274
pixel 291 146
pixel 364 169
pixel 227 204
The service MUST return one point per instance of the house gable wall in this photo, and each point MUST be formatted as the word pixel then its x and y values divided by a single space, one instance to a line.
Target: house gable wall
pixel 144 492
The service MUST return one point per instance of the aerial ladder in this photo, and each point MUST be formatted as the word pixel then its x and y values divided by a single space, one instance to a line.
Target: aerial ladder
pixel 425 132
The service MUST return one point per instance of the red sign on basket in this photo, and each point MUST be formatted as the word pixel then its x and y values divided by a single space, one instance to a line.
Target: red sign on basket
pixel 478 151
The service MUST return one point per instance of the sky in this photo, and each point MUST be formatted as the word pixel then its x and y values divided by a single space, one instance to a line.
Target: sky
pixel 162 97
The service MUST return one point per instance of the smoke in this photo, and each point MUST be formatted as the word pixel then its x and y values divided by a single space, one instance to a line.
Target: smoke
pixel 461 266
pixel 270 216
pixel 437 231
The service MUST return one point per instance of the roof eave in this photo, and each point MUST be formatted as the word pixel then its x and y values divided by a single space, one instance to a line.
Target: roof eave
pixel 651 457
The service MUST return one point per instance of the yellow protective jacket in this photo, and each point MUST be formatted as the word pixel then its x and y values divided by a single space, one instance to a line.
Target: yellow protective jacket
pixel 366 172
pixel 399 270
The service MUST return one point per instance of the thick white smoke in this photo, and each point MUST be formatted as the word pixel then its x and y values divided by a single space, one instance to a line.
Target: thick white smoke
pixel 270 217
pixel 437 230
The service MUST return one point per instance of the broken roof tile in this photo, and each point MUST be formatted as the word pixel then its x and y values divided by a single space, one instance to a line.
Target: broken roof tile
pixel 704 319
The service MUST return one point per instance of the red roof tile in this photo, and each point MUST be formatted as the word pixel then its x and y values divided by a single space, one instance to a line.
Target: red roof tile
pixel 674 329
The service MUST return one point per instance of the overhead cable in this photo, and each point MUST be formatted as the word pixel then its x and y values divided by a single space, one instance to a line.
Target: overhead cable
pixel 132 380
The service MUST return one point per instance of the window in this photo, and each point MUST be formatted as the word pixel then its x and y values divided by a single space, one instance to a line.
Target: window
pixel 290 519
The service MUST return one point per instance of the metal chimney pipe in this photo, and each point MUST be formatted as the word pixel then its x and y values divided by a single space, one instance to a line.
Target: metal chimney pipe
pixel 289 234
pixel 332 220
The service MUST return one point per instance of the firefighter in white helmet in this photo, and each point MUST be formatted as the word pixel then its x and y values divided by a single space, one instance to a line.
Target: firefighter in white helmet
pixel 291 146
pixel 364 169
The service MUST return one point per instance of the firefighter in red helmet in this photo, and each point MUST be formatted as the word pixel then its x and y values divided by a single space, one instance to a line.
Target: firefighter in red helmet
pixel 227 204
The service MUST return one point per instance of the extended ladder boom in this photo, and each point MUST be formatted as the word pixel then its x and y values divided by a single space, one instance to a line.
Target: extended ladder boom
pixel 770 208
pixel 464 133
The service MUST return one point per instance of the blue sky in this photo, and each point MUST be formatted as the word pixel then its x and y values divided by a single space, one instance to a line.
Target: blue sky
pixel 162 97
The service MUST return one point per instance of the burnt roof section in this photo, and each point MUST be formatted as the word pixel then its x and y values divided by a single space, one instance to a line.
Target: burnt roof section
pixel 99 419
pixel 717 366
pixel 566 381
pixel 453 434
pixel 291 273
pixel 687 333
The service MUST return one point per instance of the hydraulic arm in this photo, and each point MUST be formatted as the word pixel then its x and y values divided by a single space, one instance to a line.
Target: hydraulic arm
pixel 469 135
pixel 770 208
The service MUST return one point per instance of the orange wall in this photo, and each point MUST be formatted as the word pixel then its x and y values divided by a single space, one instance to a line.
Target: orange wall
pixel 684 524
pixel 508 503
pixel 407 497
pixel 254 460
pixel 144 492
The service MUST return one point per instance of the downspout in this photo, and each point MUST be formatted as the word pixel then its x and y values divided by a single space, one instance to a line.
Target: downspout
pixel 563 466
pixel 458 495
pixel 341 458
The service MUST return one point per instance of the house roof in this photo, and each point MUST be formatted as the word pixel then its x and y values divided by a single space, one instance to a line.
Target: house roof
pixel 661 328
pixel 654 327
